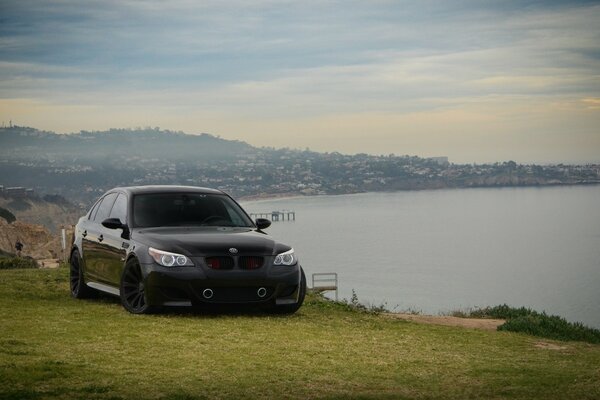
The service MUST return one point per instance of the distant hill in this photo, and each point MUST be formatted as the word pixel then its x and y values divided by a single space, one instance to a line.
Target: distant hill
pixel 81 166
pixel 23 143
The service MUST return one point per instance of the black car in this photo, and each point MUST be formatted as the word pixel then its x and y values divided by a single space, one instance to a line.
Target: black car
pixel 157 246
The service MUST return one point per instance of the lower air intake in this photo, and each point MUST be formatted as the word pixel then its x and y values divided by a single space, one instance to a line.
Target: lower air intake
pixel 251 262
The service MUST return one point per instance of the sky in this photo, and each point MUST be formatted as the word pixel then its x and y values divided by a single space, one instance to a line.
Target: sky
pixel 477 81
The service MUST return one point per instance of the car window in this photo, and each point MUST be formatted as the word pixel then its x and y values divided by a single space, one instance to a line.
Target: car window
pixel 94 209
pixel 119 209
pixel 234 215
pixel 104 207
pixel 181 209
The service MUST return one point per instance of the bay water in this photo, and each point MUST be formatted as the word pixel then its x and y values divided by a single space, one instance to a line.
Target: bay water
pixel 435 251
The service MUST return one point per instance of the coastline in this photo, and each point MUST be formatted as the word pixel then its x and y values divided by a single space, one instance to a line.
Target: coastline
pixel 255 198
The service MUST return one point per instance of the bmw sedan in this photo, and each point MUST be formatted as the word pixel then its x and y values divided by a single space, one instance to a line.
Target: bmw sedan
pixel 157 246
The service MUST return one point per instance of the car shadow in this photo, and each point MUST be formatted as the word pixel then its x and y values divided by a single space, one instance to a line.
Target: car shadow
pixel 204 310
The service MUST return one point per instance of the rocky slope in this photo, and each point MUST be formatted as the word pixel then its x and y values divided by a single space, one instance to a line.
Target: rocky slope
pixel 39 242
pixel 52 213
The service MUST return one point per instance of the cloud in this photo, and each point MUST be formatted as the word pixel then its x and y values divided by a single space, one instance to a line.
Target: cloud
pixel 592 103
pixel 324 65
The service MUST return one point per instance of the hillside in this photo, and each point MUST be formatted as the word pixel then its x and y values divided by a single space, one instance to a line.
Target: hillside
pixel 55 347
pixel 84 165
pixel 39 242
pixel 49 211
pixel 23 143
pixel 37 225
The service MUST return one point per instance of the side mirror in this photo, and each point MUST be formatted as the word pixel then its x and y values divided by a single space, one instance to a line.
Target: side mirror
pixel 262 223
pixel 113 223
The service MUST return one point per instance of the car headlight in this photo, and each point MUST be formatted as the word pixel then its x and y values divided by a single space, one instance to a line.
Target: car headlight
pixel 167 259
pixel 287 258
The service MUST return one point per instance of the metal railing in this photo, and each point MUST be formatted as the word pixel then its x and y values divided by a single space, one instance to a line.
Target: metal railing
pixel 325 281
pixel 275 216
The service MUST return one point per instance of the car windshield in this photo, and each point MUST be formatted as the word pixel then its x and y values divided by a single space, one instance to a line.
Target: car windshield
pixel 187 209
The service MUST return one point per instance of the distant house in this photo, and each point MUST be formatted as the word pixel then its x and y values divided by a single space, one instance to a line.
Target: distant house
pixel 440 160
pixel 16 191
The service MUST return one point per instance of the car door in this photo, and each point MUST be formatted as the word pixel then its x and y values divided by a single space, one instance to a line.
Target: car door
pixel 94 250
pixel 88 244
pixel 116 242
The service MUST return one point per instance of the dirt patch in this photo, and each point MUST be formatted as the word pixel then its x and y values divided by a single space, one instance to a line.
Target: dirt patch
pixel 549 346
pixel 473 323
pixel 48 263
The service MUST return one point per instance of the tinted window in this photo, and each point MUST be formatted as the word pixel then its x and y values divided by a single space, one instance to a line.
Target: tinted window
pixel 104 207
pixel 94 209
pixel 180 209
pixel 119 209
pixel 236 218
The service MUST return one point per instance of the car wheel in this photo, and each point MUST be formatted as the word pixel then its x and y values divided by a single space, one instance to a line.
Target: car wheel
pixel 79 289
pixel 133 294
pixel 292 308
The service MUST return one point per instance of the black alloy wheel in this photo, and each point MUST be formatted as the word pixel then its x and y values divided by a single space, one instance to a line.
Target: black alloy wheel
pixel 79 289
pixel 133 293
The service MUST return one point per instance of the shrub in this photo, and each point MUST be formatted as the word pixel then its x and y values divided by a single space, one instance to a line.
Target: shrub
pixel 17 262
pixel 7 215
pixel 356 305
pixel 534 323
pixel 503 311
pixel 551 327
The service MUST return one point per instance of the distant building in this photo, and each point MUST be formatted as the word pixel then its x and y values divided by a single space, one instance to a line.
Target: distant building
pixel 440 160
pixel 16 191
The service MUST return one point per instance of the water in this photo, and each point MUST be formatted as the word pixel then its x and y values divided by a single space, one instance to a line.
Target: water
pixel 442 250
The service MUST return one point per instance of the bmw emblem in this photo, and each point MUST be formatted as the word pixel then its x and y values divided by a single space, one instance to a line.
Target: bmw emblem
pixel 233 250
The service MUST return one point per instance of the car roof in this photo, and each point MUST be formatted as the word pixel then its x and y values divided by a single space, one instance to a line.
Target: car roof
pixel 165 189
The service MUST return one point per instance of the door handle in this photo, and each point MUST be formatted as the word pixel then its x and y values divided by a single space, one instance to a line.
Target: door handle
pixel 84 234
pixel 100 238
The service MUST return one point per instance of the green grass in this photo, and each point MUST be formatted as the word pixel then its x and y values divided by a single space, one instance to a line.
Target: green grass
pixel 535 323
pixel 55 347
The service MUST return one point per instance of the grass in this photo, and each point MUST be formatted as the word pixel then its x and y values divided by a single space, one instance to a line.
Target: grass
pixel 535 323
pixel 55 347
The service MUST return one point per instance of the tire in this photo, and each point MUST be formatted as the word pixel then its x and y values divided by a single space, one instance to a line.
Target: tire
pixel 292 308
pixel 79 290
pixel 133 293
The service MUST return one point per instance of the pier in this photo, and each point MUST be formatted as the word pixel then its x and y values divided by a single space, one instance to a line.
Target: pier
pixel 274 216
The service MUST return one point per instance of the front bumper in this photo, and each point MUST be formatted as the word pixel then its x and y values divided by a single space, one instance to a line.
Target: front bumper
pixel 186 286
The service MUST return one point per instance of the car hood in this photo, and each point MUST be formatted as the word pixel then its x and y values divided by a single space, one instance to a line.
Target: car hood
pixel 203 241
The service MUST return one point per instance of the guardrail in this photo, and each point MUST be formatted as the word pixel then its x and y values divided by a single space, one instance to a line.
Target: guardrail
pixel 325 281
